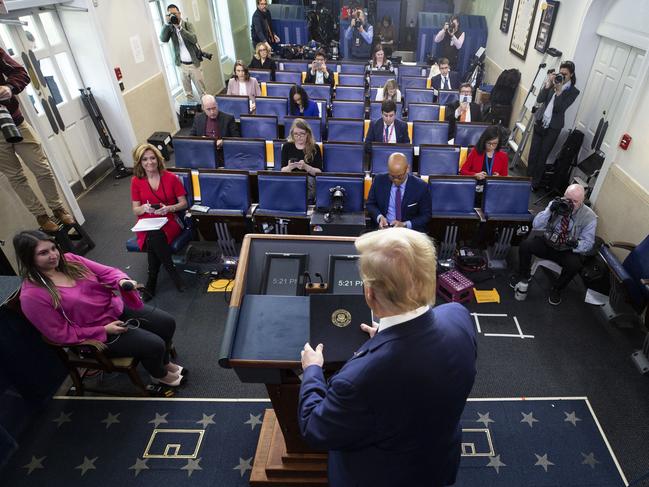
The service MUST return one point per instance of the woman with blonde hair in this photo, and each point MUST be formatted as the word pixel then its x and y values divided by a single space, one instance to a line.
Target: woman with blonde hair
pixel 262 59
pixel 301 153
pixel 155 193
pixel 390 91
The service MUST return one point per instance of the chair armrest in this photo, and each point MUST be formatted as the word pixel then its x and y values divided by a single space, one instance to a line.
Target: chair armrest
pixel 481 214
pixel 622 245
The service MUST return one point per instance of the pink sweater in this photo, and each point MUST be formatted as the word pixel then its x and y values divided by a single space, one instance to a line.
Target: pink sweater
pixel 89 305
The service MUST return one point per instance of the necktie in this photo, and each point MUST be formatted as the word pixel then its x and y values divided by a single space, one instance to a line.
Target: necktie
pixel 386 136
pixel 446 85
pixel 397 204
pixel 462 116
pixel 563 236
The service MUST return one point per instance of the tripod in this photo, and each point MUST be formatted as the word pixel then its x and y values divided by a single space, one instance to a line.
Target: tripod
pixel 105 137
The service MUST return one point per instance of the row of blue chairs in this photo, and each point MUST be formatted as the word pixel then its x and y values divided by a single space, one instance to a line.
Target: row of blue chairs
pixel 347 157
pixel 285 194
pixel 419 70
pixel 375 80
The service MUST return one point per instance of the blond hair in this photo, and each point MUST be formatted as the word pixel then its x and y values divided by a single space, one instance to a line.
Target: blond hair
pixel 138 152
pixel 399 265
pixel 259 46
pixel 309 144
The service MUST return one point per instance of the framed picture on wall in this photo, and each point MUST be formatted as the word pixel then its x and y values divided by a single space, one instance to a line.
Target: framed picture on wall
pixel 506 16
pixel 523 25
pixel 548 18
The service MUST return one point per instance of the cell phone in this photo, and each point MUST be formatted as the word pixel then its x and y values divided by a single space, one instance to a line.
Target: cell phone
pixel 292 160
pixel 156 206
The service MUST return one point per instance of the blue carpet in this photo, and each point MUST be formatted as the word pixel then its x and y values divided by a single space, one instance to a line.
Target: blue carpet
pixel 102 442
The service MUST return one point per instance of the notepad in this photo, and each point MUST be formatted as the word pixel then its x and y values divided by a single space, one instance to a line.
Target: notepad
pixel 147 224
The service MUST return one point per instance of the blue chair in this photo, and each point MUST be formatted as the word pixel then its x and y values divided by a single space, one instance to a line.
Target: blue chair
pixel 381 153
pixel 507 199
pixel 314 122
pixel 320 92
pixel 225 192
pixel 467 134
pixel 277 154
pixel 379 78
pixel 430 133
pixel 417 95
pixel 348 109
pixel 234 105
pixel 282 203
pixel 408 70
pixel 351 79
pixel 185 176
pixel 423 111
pixel 245 154
pixel 259 127
pixel 272 106
pixel 345 130
pixel 261 75
pixel 452 197
pixel 416 82
pixel 293 66
pixel 375 110
pixel 439 160
pixel 352 68
pixel 195 152
pixel 278 89
pixel 354 191
pixel 373 92
pixel 291 77
pixel 343 157
pixel 447 97
pixel 356 93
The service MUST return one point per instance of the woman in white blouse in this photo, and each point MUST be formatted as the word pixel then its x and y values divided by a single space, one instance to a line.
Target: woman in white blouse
pixel 241 83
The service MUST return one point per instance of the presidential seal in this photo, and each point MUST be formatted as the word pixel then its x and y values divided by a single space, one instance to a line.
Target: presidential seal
pixel 341 318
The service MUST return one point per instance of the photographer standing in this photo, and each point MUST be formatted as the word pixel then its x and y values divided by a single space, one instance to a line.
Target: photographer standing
pixel 568 233
pixel 26 144
pixel 360 34
pixel 187 54
pixel 319 73
pixel 451 38
pixel 558 93
pixel 261 28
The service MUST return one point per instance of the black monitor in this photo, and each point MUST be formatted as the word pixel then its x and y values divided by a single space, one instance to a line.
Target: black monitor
pixel 344 275
pixel 283 274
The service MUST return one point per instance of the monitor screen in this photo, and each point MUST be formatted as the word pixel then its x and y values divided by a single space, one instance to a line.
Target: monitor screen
pixel 344 277
pixel 283 274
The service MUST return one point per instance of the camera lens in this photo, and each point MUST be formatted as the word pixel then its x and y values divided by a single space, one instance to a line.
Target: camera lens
pixel 558 78
pixel 8 127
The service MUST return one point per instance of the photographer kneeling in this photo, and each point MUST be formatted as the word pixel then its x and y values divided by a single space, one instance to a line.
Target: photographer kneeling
pixel 568 233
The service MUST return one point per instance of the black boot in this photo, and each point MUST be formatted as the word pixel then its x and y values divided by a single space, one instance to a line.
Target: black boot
pixel 177 280
pixel 149 290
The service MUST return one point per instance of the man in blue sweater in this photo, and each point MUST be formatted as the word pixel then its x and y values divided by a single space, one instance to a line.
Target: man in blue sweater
pixel 391 416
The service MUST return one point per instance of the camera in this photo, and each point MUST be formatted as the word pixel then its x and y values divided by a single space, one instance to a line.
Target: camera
pixel 337 199
pixel 562 206
pixel 173 19
pixel 200 55
pixel 558 79
pixel 8 127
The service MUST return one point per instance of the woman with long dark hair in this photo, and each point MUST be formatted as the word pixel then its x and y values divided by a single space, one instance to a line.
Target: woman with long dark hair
pixel 156 193
pixel 379 61
pixel 299 103
pixel 71 299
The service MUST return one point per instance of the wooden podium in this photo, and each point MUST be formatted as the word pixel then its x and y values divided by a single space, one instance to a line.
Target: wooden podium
pixel 262 341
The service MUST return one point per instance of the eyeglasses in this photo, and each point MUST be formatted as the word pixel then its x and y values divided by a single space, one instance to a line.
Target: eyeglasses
pixel 262 49
pixel 299 134
pixel 492 144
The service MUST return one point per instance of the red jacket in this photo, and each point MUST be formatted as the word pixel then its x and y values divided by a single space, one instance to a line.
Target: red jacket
pixel 15 76
pixel 475 162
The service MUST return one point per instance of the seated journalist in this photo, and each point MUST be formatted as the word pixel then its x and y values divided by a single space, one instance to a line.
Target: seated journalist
pixel 388 129
pixel 399 199
pixel 318 73
pixel 462 110
pixel 391 416
pixel 213 123
pixel 568 228
pixel 300 153
pixel 71 299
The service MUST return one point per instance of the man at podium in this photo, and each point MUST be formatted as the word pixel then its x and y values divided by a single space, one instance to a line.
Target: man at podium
pixel 391 416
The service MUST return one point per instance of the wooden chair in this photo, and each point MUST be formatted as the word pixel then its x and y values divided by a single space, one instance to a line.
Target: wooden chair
pixel 89 355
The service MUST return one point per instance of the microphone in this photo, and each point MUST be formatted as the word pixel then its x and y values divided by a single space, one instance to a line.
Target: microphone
pixel 307 278
pixel 127 285
pixel 319 276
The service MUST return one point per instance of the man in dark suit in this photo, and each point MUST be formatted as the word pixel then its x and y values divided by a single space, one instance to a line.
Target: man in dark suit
pixel 558 93
pixel 462 110
pixel 261 27
pixel 318 73
pixel 446 79
pixel 398 199
pixel 391 416
pixel 213 123
pixel 388 129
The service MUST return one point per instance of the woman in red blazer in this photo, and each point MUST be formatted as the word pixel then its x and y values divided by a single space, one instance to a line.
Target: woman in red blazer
pixel 486 159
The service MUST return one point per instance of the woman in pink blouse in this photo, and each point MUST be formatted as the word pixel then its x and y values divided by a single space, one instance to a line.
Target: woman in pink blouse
pixel 241 83
pixel 71 299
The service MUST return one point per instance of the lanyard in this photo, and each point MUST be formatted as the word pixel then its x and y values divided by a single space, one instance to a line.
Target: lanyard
pixel 489 163
pixel 390 132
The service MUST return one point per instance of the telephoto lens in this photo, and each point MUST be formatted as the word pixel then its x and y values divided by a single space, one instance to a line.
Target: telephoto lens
pixel 8 127
pixel 174 19
pixel 558 79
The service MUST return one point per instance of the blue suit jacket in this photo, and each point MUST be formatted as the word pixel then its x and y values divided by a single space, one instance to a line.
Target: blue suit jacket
pixel 416 204
pixel 454 78
pixel 391 416
pixel 375 133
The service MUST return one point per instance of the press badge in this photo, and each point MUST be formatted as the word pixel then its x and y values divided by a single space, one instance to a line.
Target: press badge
pixel 358 41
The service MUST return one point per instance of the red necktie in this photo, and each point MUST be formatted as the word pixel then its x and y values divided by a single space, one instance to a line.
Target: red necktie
pixel 563 236
pixel 397 204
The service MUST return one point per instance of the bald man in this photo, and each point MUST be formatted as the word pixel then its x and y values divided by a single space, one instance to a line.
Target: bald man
pixel 399 199
pixel 214 123
pixel 567 236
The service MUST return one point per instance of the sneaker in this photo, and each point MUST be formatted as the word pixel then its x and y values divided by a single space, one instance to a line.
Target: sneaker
pixel 555 296
pixel 171 380
pixel 516 278
pixel 63 215
pixel 46 224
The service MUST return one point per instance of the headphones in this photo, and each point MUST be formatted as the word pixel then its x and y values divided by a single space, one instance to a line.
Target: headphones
pixel 52 292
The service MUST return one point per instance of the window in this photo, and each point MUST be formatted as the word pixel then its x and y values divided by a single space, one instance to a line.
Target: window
pixel 223 29
pixel 158 12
